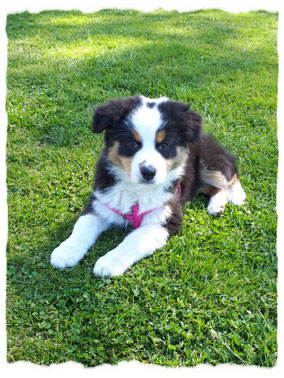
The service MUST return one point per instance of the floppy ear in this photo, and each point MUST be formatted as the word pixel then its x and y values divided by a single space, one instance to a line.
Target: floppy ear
pixel 194 125
pixel 187 121
pixel 108 115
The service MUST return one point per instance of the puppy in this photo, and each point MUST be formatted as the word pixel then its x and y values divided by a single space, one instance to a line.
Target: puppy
pixel 155 159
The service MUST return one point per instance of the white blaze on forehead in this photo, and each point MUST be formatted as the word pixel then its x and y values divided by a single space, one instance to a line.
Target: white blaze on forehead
pixel 147 120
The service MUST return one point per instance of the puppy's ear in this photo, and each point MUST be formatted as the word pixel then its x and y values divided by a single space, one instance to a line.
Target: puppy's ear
pixel 110 114
pixel 105 115
pixel 188 122
pixel 191 121
pixel 194 125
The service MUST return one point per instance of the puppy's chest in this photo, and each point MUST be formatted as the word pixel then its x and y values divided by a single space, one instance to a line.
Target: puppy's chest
pixel 123 196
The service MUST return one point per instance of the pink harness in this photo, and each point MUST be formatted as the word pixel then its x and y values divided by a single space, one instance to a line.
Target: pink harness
pixel 135 217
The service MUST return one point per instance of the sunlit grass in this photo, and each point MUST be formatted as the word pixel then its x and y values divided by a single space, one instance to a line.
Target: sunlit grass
pixel 91 48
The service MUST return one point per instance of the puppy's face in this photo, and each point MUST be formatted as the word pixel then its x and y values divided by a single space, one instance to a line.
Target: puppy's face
pixel 147 138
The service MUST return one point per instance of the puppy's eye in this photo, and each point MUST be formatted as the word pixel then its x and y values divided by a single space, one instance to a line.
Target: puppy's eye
pixel 163 146
pixel 132 144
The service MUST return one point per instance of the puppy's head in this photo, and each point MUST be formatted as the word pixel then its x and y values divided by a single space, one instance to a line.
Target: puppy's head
pixel 147 138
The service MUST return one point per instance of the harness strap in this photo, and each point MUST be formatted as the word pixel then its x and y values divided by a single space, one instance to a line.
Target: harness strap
pixel 135 217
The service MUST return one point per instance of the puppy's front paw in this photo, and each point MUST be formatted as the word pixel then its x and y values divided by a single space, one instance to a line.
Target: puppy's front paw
pixel 109 265
pixel 66 255
pixel 217 203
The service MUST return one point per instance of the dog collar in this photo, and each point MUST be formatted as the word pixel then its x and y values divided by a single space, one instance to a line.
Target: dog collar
pixel 135 216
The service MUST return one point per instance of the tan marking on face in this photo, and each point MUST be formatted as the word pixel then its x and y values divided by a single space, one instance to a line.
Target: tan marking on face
pixel 137 136
pixel 119 161
pixel 126 163
pixel 113 154
pixel 178 160
pixel 160 136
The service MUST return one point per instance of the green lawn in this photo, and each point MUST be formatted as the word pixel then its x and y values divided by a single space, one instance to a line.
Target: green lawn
pixel 210 295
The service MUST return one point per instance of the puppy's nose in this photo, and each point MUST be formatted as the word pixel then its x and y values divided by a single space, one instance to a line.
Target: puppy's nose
pixel 148 172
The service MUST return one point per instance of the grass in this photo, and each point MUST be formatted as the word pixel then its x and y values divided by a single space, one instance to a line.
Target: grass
pixel 210 295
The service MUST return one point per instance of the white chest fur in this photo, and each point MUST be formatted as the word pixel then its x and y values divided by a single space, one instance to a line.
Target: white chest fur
pixel 125 194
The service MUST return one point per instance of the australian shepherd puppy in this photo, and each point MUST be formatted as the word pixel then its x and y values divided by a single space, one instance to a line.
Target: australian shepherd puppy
pixel 155 159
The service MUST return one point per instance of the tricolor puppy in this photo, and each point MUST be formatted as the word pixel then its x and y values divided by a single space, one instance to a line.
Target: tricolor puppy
pixel 155 159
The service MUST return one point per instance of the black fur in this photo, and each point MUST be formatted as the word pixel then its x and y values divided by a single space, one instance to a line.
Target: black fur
pixel 104 179
pixel 89 206
pixel 125 140
pixel 190 181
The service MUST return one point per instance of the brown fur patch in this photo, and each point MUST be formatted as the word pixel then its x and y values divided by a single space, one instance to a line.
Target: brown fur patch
pixel 137 136
pixel 126 163
pixel 235 180
pixel 213 177
pixel 160 136
pixel 119 161
pixel 113 154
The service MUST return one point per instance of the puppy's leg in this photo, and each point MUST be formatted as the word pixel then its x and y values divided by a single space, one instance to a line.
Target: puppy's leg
pixel 219 177
pixel 85 232
pixel 218 199
pixel 138 244
pixel 222 192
